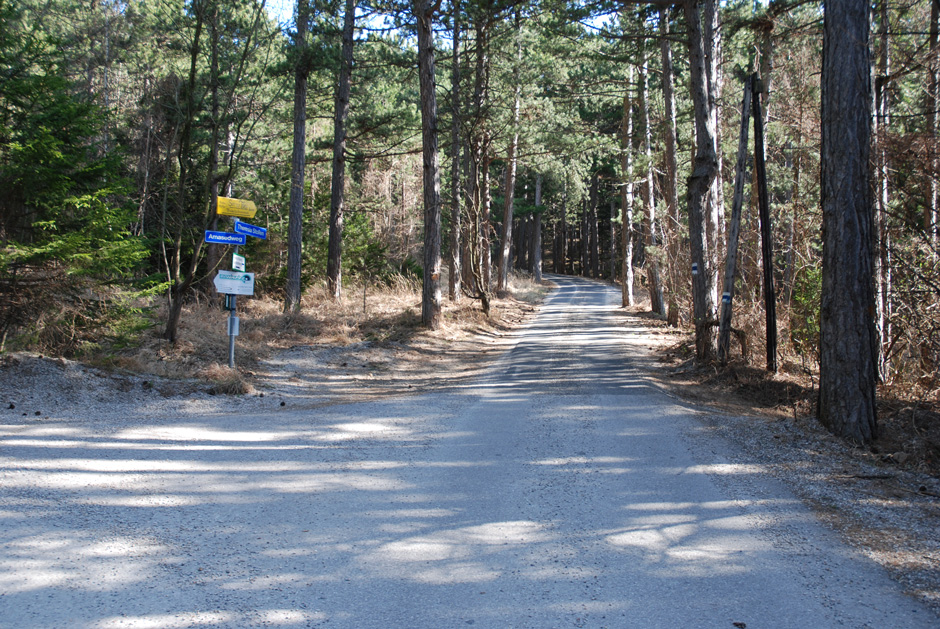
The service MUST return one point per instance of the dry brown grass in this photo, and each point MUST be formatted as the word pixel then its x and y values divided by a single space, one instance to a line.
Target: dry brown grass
pixel 380 315
pixel 908 417
pixel 226 381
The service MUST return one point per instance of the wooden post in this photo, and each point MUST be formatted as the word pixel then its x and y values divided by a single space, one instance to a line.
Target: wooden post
pixel 724 321
pixel 770 307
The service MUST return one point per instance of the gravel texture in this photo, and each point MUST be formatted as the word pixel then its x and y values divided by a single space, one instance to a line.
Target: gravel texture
pixel 561 486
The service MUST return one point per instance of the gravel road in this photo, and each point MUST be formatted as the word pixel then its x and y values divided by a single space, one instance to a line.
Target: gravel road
pixel 562 489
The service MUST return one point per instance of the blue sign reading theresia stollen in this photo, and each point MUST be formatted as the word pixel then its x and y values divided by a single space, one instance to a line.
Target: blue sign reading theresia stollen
pixel 225 238
pixel 248 229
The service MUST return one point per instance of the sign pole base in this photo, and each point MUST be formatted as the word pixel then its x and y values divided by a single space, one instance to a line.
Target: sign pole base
pixel 232 323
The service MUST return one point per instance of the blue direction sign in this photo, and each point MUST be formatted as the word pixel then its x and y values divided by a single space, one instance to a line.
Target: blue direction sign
pixel 251 230
pixel 225 238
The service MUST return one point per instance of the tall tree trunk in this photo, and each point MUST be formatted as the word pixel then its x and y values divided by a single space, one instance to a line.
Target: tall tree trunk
pixel 612 250
pixel 454 276
pixel 473 271
pixel 593 245
pixel 478 176
pixel 584 240
pixel 711 20
pixel 764 64
pixel 468 208
pixel 472 246
pixel 334 260
pixel 749 269
pixel 789 256
pixel 431 283
pixel 766 236
pixel 486 225
pixel 106 76
pixel 556 232
pixel 701 183
pixel 626 193
pixel 932 209
pixel 727 296
pixel 535 258
pixel 502 281
pixel 882 120
pixel 473 250
pixel 298 163
pixel 671 183
pixel 563 266
pixel 847 369
pixel 165 255
pixel 214 251
pixel 143 169
pixel 180 284
pixel 767 64
pixel 649 201
pixel 521 249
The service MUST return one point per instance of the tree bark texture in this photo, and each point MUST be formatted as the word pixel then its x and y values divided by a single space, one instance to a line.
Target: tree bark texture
pixel 628 297
pixel 847 370
pixel 712 47
pixel 764 45
pixel 182 283
pixel 486 223
pixel 612 249
pixel 933 117
pixel 584 240
pixel 727 296
pixel 454 276
pixel 701 182
pixel 557 245
pixel 519 251
pixel 431 283
pixel 562 252
pixel 213 251
pixel 502 280
pixel 477 258
pixel 536 256
pixel 292 290
pixel 881 122
pixel 670 183
pixel 593 244
pixel 334 260
pixel 471 249
pixel 649 198
pixel 470 218
pixel 766 237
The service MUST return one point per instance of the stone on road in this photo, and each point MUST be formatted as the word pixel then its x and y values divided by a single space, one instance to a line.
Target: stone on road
pixel 561 490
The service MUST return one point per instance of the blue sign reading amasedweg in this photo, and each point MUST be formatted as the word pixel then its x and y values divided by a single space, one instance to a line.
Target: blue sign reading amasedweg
pixel 225 238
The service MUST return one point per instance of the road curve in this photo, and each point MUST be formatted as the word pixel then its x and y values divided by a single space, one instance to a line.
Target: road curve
pixel 560 490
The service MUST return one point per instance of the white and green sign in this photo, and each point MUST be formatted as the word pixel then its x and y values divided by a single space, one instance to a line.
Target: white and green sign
pixel 235 283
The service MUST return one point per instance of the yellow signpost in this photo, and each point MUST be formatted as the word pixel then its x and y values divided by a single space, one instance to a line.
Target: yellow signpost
pixel 236 207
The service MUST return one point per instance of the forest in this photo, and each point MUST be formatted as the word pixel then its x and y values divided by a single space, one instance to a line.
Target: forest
pixel 762 173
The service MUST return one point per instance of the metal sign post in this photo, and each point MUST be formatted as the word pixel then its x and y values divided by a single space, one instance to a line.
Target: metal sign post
pixel 232 321
pixel 235 282
pixel 232 284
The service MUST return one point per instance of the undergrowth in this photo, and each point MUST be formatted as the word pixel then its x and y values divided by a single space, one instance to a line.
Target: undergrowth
pixel 908 407
pixel 127 336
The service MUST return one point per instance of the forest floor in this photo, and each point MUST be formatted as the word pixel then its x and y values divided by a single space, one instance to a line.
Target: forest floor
pixel 884 500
